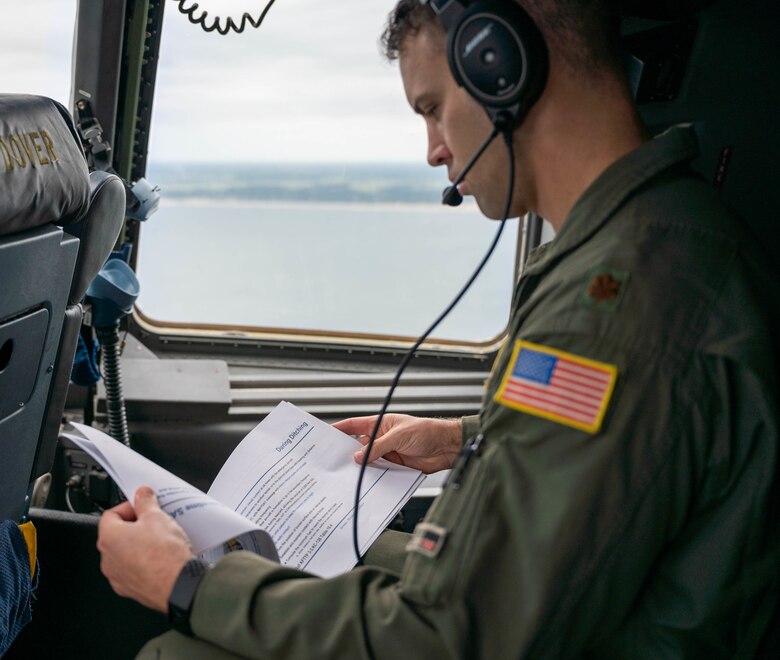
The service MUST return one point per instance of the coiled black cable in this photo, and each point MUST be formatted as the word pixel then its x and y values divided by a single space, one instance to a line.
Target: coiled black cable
pixel 112 377
pixel 230 24
pixel 507 134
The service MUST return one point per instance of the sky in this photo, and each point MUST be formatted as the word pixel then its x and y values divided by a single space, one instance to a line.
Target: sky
pixel 36 40
pixel 309 86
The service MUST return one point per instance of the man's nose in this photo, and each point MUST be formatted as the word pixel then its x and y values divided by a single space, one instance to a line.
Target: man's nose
pixel 438 153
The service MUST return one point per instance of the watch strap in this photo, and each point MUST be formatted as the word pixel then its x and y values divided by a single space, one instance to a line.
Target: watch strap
pixel 183 594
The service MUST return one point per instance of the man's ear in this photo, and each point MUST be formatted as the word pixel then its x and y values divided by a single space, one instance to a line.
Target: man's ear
pixel 497 54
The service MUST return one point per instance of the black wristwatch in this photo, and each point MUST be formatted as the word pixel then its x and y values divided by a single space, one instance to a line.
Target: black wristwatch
pixel 183 595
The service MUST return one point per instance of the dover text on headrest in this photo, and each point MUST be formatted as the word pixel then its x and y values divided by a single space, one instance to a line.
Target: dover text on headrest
pixel 35 149
pixel 43 173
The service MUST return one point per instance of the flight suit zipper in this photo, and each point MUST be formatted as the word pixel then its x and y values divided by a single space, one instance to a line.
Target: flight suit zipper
pixel 469 450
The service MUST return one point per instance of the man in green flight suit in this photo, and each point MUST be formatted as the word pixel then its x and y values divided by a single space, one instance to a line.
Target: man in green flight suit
pixel 619 502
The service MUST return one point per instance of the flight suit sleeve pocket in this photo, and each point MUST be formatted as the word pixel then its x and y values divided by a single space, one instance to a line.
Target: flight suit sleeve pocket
pixel 439 553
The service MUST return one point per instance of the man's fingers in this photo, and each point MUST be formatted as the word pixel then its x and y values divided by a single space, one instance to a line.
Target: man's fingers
pixel 356 425
pixel 381 447
pixel 108 520
pixel 145 501
pixel 124 511
pixel 111 523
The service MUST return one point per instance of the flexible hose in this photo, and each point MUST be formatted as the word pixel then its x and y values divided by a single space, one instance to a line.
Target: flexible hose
pixel 112 377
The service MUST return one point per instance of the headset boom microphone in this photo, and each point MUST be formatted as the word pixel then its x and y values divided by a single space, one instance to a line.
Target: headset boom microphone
pixel 451 195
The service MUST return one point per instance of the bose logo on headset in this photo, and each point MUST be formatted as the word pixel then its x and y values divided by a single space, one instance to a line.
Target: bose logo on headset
pixel 471 45
pixel 496 53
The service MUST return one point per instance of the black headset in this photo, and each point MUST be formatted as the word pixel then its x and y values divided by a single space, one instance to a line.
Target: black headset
pixel 496 53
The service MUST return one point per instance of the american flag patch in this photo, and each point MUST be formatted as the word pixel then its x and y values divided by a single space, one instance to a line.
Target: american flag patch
pixel 558 386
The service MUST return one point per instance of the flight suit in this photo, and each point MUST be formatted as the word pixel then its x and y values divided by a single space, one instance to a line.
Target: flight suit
pixel 18 579
pixel 629 518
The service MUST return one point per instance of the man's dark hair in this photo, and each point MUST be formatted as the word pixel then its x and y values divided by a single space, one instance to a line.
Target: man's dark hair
pixel 585 33
pixel 406 20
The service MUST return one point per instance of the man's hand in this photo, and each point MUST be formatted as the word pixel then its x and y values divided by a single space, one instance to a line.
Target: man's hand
pixel 428 445
pixel 142 550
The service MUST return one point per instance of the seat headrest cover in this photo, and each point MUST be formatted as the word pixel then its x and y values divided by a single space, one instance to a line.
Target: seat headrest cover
pixel 43 173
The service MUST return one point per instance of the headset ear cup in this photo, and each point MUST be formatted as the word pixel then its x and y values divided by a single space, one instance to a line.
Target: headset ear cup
pixel 498 55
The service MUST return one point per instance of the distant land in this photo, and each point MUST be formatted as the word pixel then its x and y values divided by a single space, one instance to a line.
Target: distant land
pixel 351 182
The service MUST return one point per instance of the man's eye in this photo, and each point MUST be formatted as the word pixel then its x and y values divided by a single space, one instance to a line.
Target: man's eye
pixel 432 112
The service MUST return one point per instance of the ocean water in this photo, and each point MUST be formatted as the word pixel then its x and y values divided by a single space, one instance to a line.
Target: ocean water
pixel 356 249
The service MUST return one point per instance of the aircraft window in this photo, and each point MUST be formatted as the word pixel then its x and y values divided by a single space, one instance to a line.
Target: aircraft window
pixel 548 233
pixel 37 61
pixel 295 190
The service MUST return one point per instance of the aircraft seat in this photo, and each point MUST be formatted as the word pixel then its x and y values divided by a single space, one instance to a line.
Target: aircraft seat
pixel 713 63
pixel 57 226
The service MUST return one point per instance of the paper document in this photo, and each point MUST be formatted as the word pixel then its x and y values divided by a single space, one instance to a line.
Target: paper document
pixel 293 477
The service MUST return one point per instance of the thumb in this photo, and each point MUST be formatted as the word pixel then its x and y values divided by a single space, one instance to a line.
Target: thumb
pixel 145 501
